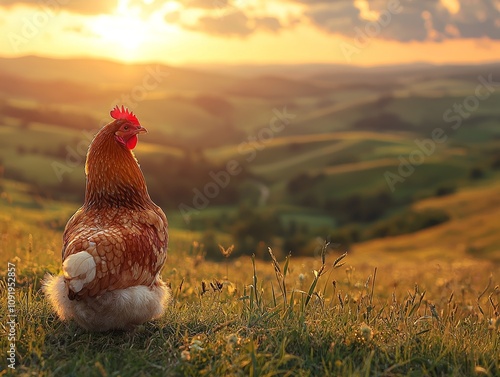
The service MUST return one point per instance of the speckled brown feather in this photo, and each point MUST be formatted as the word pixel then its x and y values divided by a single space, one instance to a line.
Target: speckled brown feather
pixel 119 225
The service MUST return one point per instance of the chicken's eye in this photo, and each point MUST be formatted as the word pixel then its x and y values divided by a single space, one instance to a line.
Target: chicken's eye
pixel 125 128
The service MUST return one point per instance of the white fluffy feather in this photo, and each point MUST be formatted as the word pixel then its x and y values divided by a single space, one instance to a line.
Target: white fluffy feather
pixel 79 269
pixel 119 309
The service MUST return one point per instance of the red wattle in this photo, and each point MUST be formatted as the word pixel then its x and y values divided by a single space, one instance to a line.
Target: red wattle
pixel 132 142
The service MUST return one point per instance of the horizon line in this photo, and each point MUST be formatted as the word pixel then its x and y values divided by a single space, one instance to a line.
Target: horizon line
pixel 255 64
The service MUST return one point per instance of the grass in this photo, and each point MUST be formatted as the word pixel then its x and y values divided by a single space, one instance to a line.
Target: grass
pixel 360 314
pixel 292 325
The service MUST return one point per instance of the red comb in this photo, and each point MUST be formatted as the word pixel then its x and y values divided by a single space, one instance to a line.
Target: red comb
pixel 123 113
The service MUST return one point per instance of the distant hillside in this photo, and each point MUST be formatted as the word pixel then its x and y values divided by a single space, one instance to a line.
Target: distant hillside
pixel 304 71
pixel 276 87
pixel 472 231
pixel 103 73
pixel 314 143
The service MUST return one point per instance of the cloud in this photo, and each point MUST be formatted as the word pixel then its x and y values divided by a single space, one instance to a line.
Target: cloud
pixel 478 18
pixel 85 7
pixel 335 18
pixel 173 17
pixel 267 23
pixel 207 4
pixel 346 19
pixel 235 24
pixel 416 20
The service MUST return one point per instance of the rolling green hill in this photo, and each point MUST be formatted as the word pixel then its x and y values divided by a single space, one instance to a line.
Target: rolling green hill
pixel 472 230
pixel 310 140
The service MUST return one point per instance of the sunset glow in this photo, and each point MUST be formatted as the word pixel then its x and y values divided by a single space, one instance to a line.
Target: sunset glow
pixel 251 31
pixel 123 32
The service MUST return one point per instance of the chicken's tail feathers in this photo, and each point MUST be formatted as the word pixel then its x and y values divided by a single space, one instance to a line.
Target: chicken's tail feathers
pixel 79 269
pixel 54 288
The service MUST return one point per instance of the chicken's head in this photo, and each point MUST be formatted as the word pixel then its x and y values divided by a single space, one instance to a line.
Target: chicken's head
pixel 127 127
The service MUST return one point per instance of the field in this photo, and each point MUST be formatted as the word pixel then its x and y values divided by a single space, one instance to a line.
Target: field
pixel 334 272
pixel 375 311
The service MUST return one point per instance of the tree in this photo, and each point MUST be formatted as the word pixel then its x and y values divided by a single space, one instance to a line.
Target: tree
pixel 476 173
pixel 251 228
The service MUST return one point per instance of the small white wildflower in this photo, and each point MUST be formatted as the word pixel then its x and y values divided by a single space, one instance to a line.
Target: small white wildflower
pixel 185 355
pixel 196 345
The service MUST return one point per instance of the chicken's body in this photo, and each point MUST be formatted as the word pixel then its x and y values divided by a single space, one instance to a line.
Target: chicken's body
pixel 115 245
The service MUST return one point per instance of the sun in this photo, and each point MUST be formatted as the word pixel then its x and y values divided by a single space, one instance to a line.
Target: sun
pixel 132 33
pixel 125 33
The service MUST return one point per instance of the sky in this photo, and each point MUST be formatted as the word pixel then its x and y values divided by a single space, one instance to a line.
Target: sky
pixel 360 32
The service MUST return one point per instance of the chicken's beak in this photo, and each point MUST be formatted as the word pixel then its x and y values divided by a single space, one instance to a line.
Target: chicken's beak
pixel 141 130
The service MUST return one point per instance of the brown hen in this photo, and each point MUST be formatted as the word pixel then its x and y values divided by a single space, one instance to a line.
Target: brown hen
pixel 115 245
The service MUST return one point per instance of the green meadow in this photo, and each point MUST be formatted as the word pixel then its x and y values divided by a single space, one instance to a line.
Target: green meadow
pixel 375 311
pixel 335 270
